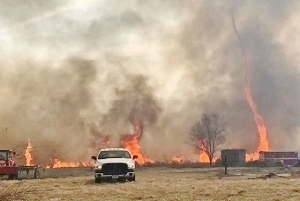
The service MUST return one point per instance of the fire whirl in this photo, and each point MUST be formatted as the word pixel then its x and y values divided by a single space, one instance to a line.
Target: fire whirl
pixel 263 144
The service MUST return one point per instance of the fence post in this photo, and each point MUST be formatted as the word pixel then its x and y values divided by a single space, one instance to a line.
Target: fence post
pixel 225 163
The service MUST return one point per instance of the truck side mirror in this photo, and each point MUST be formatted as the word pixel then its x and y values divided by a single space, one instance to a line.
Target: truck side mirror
pixel 94 158
pixel 134 157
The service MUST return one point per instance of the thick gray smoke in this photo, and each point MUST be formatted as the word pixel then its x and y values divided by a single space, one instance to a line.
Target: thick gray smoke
pixel 78 73
pixel 134 106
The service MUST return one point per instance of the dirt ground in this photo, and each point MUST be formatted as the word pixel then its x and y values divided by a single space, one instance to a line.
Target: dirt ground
pixel 160 184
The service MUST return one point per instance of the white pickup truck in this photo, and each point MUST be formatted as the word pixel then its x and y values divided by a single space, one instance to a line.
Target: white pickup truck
pixel 114 163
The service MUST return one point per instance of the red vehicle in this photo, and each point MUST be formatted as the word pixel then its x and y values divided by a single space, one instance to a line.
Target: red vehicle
pixel 7 164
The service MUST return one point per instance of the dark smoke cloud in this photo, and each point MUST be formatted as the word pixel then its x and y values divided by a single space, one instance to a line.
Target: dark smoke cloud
pixel 163 63
pixel 135 105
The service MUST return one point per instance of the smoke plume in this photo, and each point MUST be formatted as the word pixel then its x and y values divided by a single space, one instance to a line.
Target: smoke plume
pixel 78 73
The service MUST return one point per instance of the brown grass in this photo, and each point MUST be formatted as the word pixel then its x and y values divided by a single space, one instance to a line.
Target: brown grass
pixel 15 191
pixel 170 184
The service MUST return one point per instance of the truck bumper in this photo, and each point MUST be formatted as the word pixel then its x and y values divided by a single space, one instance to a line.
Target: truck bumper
pixel 128 175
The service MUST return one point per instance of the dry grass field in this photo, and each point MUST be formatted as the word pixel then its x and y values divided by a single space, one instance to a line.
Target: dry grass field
pixel 160 184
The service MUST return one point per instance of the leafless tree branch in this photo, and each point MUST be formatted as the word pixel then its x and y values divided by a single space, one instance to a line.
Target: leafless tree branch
pixel 208 134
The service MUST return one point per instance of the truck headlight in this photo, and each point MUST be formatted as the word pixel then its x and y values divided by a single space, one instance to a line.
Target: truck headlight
pixel 98 167
pixel 131 165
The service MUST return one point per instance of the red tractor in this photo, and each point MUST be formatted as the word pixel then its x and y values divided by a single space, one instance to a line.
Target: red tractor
pixel 7 164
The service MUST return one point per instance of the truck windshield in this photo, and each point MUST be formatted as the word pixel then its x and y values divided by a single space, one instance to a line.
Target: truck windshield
pixel 3 155
pixel 114 154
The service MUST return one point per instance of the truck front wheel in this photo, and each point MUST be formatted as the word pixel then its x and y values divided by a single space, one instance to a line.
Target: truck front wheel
pixel 132 178
pixel 97 180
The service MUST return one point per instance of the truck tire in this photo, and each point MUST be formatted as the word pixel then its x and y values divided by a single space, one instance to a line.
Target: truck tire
pixel 36 174
pixel 122 179
pixel 132 178
pixel 12 176
pixel 97 180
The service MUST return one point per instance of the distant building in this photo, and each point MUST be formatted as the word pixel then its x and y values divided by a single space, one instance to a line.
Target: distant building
pixel 234 157
pixel 283 157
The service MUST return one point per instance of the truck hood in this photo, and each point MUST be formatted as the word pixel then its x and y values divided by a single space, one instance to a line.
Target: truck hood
pixel 114 160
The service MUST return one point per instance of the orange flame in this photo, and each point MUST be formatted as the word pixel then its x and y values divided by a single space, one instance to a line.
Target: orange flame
pixel 62 164
pixel 27 154
pixel 252 156
pixel 56 163
pixel 203 158
pixel 263 144
pixel 130 142
pixel 178 159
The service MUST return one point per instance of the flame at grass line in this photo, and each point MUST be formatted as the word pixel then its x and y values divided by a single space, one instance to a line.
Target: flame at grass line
pixel 61 164
pixel 130 142
pixel 203 156
pixel 178 159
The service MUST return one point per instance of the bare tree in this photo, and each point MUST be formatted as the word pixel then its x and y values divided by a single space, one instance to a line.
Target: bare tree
pixel 208 134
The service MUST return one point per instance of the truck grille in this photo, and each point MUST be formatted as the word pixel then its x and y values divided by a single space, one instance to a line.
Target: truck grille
pixel 114 168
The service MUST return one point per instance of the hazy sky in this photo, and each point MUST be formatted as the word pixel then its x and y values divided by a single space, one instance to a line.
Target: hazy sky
pixel 74 70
